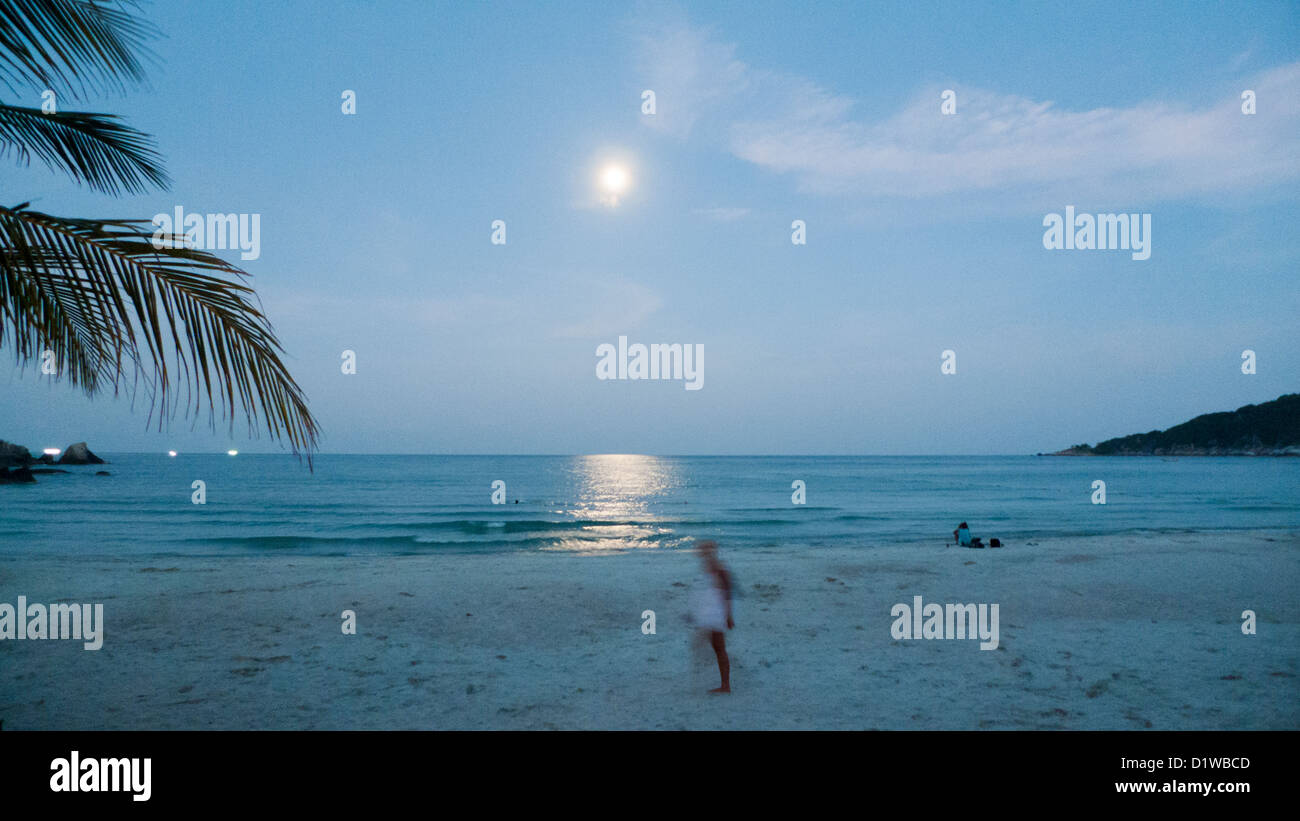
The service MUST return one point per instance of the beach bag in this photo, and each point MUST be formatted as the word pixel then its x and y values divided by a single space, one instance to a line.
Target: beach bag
pixel 994 543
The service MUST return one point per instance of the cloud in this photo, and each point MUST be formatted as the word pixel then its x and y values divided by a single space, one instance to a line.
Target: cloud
pixel 689 74
pixel 1240 60
pixel 608 308
pixel 722 214
pixel 996 142
pixel 428 314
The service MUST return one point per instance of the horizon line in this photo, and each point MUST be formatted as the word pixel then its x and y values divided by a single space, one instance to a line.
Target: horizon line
pixel 553 455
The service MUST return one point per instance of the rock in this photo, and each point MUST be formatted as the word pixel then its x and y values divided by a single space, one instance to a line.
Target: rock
pixel 17 476
pixel 79 454
pixel 12 455
pixel 47 459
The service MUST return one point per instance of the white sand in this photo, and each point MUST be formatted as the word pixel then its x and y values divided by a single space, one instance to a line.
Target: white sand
pixel 1100 633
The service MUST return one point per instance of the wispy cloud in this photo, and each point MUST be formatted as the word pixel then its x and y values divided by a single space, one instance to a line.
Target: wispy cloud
pixel 689 72
pixel 996 142
pixel 607 308
pixel 722 214
pixel 1240 60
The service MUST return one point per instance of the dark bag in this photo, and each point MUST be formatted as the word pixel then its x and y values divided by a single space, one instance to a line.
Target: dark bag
pixel 994 543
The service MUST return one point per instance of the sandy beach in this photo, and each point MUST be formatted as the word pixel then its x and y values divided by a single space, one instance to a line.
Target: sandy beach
pixel 1133 632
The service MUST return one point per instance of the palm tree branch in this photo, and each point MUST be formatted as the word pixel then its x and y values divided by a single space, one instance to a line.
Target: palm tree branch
pixel 95 149
pixel 134 294
pixel 80 46
pixel 73 324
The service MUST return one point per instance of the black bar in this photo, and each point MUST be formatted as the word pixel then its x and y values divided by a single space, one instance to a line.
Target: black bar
pixel 994 770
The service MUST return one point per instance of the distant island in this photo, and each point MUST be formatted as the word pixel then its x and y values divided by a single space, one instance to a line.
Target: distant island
pixel 1267 429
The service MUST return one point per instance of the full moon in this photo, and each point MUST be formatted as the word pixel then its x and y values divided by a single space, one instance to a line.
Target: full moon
pixel 614 179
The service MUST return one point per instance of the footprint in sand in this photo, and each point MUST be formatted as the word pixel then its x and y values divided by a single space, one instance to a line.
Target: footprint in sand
pixel 1076 559
pixel 1131 716
pixel 1097 688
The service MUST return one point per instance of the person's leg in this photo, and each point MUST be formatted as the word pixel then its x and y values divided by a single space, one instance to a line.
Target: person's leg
pixel 719 641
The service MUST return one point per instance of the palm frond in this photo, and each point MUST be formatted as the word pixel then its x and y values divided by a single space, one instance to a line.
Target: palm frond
pixel 95 149
pixel 102 295
pixel 77 46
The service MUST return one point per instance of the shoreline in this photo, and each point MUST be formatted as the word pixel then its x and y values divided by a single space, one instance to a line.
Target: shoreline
pixel 1114 632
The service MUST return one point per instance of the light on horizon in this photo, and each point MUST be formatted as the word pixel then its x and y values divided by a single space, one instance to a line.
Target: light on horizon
pixel 232 453
pixel 171 453
pixel 52 451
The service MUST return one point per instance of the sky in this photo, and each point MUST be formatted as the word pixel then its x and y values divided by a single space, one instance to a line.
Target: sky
pixel 924 230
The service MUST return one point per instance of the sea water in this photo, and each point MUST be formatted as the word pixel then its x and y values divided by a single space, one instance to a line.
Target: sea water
pixel 367 505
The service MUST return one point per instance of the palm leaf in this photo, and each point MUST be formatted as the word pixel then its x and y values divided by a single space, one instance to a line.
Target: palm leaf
pixel 94 149
pixel 78 46
pixel 102 296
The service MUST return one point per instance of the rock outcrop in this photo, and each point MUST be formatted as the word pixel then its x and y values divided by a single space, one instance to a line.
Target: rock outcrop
pixel 12 455
pixel 16 476
pixel 18 466
pixel 79 454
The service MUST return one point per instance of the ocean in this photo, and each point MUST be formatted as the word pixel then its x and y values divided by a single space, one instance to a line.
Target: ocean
pixel 358 504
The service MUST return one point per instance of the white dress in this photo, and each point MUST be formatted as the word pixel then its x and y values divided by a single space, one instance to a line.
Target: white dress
pixel 709 606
